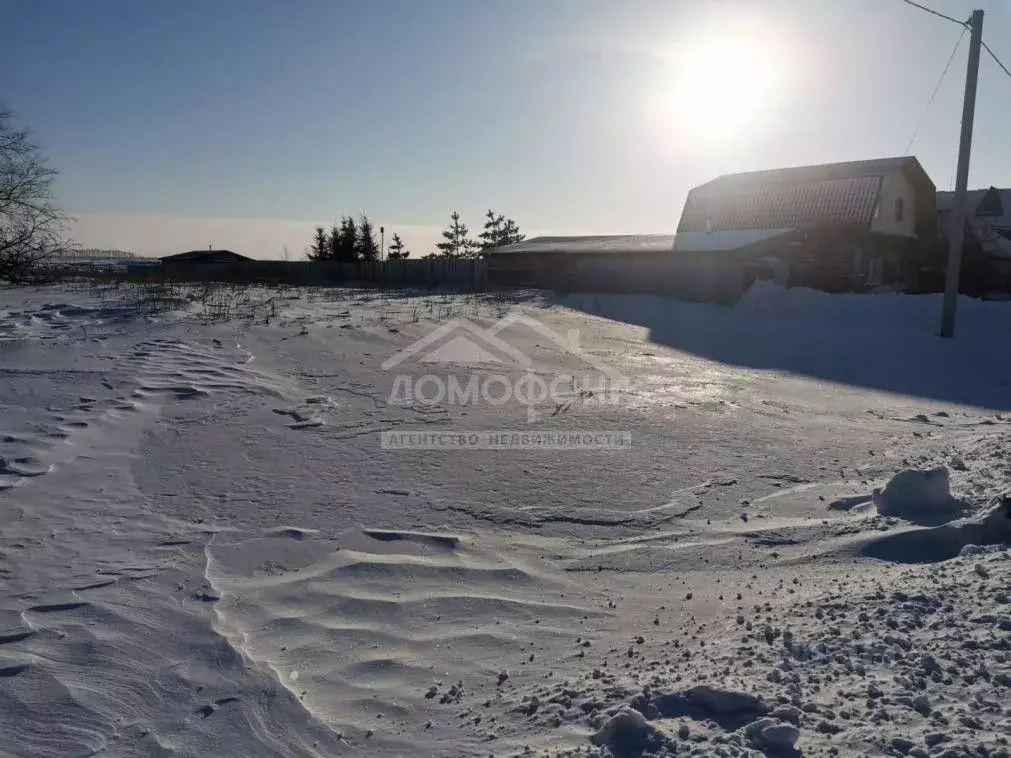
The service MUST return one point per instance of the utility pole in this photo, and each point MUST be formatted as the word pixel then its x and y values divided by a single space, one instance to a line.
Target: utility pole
pixel 957 230
pixel 382 242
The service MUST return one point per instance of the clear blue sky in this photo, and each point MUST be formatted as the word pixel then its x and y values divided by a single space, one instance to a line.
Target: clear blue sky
pixel 252 120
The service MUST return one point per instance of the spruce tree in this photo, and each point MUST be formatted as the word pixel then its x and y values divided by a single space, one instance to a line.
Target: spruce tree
pixel 346 247
pixel 366 247
pixel 335 238
pixel 319 250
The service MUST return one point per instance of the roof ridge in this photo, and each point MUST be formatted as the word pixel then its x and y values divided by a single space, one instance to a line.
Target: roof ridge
pixel 833 164
pixel 820 171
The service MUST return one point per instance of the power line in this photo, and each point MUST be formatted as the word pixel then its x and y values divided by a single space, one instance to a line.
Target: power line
pixel 930 102
pixel 994 56
pixel 932 11
pixel 964 25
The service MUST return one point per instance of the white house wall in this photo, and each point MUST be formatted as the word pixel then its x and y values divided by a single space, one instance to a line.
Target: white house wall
pixel 894 186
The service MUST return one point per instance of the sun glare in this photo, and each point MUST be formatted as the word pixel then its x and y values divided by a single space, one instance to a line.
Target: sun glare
pixel 721 86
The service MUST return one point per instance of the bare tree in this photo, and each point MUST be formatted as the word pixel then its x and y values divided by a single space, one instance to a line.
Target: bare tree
pixel 31 227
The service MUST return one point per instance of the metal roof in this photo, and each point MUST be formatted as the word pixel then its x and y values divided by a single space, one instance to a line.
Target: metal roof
pixel 974 198
pixel 611 243
pixel 782 205
pixel 844 170
pixel 834 193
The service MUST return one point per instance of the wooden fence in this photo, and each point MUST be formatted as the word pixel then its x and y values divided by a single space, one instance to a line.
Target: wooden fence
pixel 462 274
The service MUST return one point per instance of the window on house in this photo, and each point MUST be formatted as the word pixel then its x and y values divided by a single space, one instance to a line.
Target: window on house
pixel 900 208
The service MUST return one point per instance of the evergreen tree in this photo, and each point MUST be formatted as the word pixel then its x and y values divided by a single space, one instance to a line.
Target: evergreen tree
pixel 335 240
pixel 499 230
pixel 397 251
pixel 366 247
pixel 456 242
pixel 492 233
pixel 511 233
pixel 319 250
pixel 346 247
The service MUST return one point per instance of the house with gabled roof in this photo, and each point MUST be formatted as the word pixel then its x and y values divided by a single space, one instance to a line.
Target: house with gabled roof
pixel 836 227
pixel 986 251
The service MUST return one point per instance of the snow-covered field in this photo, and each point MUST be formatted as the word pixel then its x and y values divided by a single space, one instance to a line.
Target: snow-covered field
pixel 205 549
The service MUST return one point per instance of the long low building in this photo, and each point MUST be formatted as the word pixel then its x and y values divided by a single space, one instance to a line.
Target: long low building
pixel 612 263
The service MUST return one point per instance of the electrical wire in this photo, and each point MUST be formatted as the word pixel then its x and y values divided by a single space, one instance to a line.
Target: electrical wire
pixel 933 95
pixel 935 13
pixel 994 56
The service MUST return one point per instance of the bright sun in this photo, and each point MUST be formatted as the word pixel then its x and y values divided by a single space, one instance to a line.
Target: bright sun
pixel 721 86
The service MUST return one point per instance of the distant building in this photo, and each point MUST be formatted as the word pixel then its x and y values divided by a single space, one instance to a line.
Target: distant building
pixel 986 250
pixel 835 227
pixel 96 254
pixel 205 256
pixel 91 260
